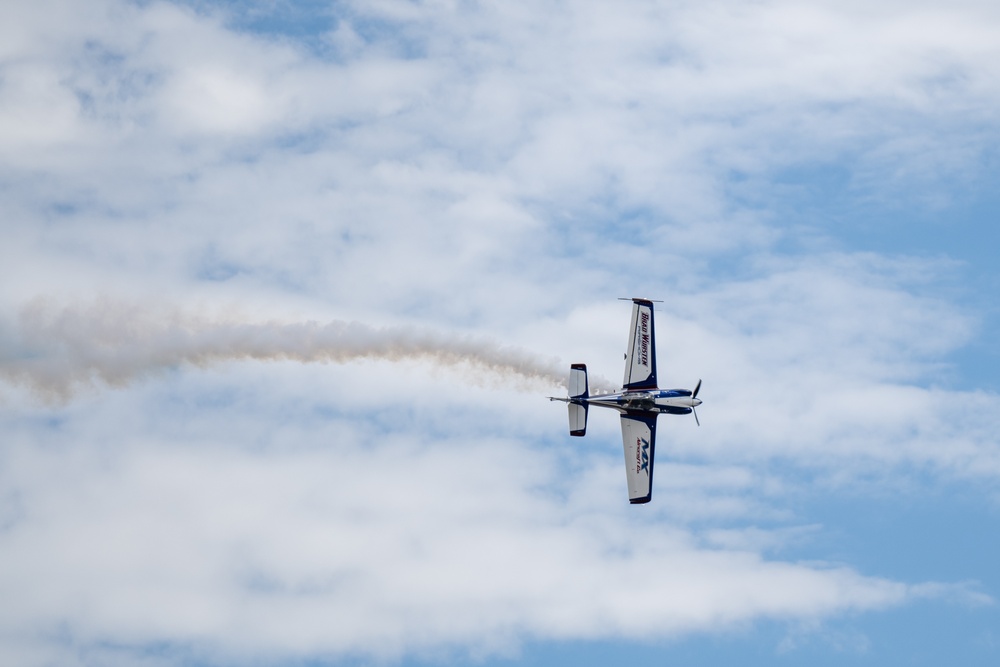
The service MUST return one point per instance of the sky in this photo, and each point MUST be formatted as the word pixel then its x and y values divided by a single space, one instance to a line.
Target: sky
pixel 284 287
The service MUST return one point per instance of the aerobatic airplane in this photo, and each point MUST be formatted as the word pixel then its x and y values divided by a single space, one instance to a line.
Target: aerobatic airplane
pixel 640 402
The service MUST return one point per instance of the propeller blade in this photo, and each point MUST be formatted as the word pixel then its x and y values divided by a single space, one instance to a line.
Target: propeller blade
pixel 695 413
pixel 697 388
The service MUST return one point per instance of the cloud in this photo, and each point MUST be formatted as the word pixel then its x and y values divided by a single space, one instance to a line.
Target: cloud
pixel 483 173
pixel 336 535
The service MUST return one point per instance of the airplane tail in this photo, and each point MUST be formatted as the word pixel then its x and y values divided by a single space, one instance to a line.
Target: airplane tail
pixel 578 381
pixel 578 389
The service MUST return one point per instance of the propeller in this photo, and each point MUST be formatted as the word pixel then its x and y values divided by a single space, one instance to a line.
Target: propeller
pixel 694 394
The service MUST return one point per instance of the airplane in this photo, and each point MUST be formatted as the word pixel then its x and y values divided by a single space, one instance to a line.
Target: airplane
pixel 640 402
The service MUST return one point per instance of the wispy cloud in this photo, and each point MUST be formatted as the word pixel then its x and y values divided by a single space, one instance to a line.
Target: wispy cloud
pixel 412 170
pixel 349 540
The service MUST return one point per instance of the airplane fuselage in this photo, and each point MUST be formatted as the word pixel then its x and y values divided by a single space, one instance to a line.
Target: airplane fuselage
pixel 655 401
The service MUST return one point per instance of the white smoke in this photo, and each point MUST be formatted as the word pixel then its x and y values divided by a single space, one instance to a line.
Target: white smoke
pixel 55 351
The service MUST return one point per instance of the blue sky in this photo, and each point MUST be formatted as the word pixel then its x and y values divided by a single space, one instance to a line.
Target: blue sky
pixel 286 284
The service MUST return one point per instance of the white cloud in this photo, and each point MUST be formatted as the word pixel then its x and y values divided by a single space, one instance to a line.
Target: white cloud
pixel 36 109
pixel 331 534
pixel 499 171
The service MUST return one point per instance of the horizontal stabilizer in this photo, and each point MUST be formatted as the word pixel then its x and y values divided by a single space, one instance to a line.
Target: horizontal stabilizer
pixel 578 381
pixel 577 419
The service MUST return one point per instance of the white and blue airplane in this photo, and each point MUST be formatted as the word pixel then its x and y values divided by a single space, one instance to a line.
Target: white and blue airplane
pixel 640 402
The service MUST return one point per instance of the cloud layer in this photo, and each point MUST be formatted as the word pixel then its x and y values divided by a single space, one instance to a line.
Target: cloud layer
pixel 443 199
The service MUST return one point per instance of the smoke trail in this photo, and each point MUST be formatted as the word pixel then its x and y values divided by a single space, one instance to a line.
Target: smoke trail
pixel 64 349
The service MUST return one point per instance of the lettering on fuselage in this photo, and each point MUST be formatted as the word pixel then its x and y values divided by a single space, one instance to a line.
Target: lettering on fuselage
pixel 641 454
pixel 644 338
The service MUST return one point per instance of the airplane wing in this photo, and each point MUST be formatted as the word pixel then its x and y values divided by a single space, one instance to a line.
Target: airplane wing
pixel 640 359
pixel 639 438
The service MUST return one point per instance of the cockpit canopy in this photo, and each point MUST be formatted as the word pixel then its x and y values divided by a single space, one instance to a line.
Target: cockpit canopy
pixel 638 400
